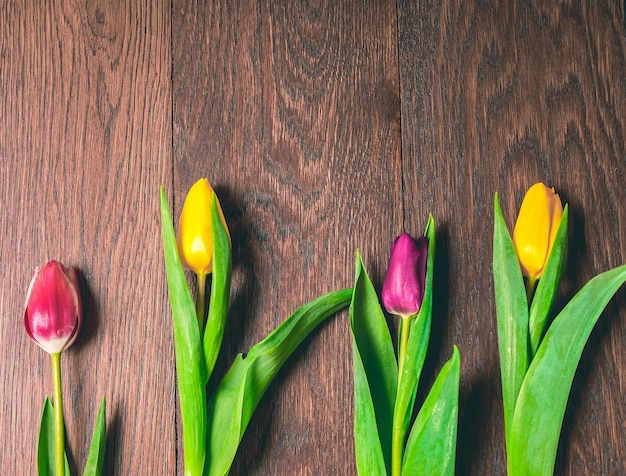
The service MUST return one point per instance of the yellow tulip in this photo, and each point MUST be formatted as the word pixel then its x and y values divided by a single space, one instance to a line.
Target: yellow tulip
pixel 195 242
pixel 535 229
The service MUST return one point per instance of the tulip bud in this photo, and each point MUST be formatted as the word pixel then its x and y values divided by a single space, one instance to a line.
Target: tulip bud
pixel 536 227
pixel 195 242
pixel 53 312
pixel 403 288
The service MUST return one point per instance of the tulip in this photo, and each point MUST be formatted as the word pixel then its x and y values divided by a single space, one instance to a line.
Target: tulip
pixel 195 239
pixel 403 293
pixel 52 318
pixel 195 242
pixel 403 288
pixel 53 311
pixel 535 229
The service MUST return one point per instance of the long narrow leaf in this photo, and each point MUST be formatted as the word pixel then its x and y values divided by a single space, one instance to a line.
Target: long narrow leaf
pixel 220 290
pixel 548 286
pixel 45 446
pixel 97 449
pixel 370 457
pixel 512 315
pixel 375 377
pixel 190 364
pixel 544 393
pixel 417 345
pixel 431 447
pixel 238 394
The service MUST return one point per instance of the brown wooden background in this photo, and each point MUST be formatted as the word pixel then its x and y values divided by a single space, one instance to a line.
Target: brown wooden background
pixel 324 126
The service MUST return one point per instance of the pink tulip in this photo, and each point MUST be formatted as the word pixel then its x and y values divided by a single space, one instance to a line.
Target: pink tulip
pixel 403 288
pixel 53 312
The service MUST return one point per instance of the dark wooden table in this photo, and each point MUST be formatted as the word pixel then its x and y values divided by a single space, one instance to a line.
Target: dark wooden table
pixel 325 126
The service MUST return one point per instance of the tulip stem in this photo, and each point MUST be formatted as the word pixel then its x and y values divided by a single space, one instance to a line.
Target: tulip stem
pixel 397 438
pixel 59 437
pixel 404 339
pixel 531 282
pixel 200 299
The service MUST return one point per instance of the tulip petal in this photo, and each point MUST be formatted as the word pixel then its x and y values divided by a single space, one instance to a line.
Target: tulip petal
pixel 536 227
pixel 53 310
pixel 195 239
pixel 403 288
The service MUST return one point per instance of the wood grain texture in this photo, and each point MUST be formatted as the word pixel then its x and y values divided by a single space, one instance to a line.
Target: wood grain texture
pixel 84 144
pixel 291 111
pixel 495 97
pixel 324 126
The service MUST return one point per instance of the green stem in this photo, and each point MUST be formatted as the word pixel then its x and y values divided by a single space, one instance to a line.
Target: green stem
pixel 59 437
pixel 200 300
pixel 397 438
pixel 404 339
pixel 531 282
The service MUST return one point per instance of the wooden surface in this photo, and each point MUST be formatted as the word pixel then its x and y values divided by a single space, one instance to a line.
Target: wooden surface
pixel 324 126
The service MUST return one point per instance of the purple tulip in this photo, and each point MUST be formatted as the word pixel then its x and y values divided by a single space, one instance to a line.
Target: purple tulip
pixel 403 288
pixel 53 312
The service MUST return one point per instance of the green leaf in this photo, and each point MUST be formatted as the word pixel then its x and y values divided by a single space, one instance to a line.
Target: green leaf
pixel 431 447
pixel 238 394
pixel 97 449
pixel 417 345
pixel 512 315
pixel 544 393
pixel 45 446
pixel 375 377
pixel 220 290
pixel 547 288
pixel 370 457
pixel 190 364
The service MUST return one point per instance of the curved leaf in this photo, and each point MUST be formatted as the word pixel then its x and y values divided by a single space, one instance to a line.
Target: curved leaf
pixel 190 364
pixel 547 288
pixel 97 449
pixel 220 290
pixel 45 446
pixel 368 448
pixel 375 377
pixel 431 447
pixel 512 315
pixel 544 393
pixel 239 392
